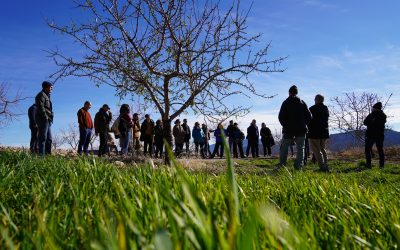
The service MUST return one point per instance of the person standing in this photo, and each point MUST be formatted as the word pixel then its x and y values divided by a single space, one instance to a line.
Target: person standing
pixel 198 139
pixel 33 146
pixel 136 133
pixel 159 138
pixel 318 132
pixel 124 127
pixel 375 134
pixel 147 130
pixel 294 117
pixel 179 137
pixel 44 118
pixel 238 137
pixel 267 139
pixel 252 139
pixel 206 133
pixel 186 128
pixel 85 128
pixel 102 121
pixel 231 140
pixel 219 146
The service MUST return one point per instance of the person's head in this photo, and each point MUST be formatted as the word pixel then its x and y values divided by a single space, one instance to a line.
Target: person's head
pixel 293 91
pixel 319 99
pixel 231 122
pixel 125 109
pixel 220 126
pixel 178 122
pixel 147 117
pixel 135 116
pixel 106 107
pixel 47 87
pixel 263 125
pixel 159 122
pixel 235 124
pixel 87 105
pixel 253 122
pixel 377 106
pixel 184 121
pixel 196 124
pixel 203 125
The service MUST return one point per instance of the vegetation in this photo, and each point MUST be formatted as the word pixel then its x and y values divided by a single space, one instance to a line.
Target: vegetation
pixel 80 203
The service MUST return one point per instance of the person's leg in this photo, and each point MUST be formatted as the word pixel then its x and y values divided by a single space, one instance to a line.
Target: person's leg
pixel 216 145
pixel 42 127
pixel 315 148
pixel 269 149
pixel 322 144
pixel 145 146
pixel 34 138
pixel 240 145
pixel 248 148
pixel 379 146
pixel 49 139
pixel 87 141
pixel 221 150
pixel 82 138
pixel 300 140
pixel 235 149
pixel 283 153
pixel 150 142
pixel 264 146
pixel 368 147
pixel 103 142
pixel 256 148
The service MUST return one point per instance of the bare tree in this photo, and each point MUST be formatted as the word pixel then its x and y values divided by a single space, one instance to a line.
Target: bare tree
pixel 177 55
pixel 8 104
pixel 277 135
pixel 57 141
pixel 347 113
pixel 70 136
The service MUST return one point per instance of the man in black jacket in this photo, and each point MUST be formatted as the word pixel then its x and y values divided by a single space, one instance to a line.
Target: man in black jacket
pixel 102 121
pixel 318 132
pixel 294 117
pixel 186 128
pixel 44 118
pixel 253 135
pixel 34 129
pixel 375 133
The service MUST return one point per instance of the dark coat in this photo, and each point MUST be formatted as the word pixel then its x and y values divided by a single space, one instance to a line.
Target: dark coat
pixel 186 128
pixel 146 127
pixel 32 116
pixel 102 121
pixel 318 127
pixel 294 117
pixel 158 134
pixel 125 123
pixel 230 130
pixel 44 107
pixel 237 134
pixel 252 133
pixel 179 134
pixel 375 123
pixel 266 136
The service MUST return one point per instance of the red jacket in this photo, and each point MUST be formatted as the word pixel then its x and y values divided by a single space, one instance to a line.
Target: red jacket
pixel 84 119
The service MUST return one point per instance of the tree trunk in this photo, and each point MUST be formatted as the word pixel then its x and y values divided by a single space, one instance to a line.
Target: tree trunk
pixel 167 137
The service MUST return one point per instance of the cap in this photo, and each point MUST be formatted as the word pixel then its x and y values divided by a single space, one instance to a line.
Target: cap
pixel 377 105
pixel 106 106
pixel 293 90
pixel 46 84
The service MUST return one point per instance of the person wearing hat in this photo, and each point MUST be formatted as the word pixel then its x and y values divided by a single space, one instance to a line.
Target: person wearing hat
pixel 186 128
pixel 319 132
pixel 102 121
pixel 147 134
pixel 179 137
pixel 198 139
pixel 44 118
pixel 294 117
pixel 375 134
pixel 85 127
pixel 231 140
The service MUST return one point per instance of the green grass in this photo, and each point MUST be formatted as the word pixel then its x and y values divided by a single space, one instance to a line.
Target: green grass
pixel 84 203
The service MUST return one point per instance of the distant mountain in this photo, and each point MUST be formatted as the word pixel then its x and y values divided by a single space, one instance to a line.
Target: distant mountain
pixel 343 141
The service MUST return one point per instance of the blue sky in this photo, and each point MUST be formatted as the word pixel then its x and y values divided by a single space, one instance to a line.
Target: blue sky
pixel 332 47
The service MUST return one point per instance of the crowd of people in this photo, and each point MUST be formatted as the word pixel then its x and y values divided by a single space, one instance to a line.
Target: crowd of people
pixel 301 126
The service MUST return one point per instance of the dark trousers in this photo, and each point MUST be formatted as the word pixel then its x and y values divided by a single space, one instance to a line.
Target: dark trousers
pixel 253 146
pixel 238 144
pixel 187 144
pixel 369 142
pixel 45 138
pixel 178 148
pixel 266 148
pixel 84 140
pixel 159 148
pixel 103 147
pixel 201 146
pixel 231 142
pixel 148 144
pixel 34 140
pixel 218 147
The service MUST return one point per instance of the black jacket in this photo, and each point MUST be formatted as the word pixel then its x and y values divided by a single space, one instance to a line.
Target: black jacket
pixel 32 116
pixel 252 133
pixel 44 107
pixel 158 134
pixel 266 136
pixel 230 129
pixel 102 121
pixel 294 117
pixel 375 123
pixel 318 127
pixel 187 131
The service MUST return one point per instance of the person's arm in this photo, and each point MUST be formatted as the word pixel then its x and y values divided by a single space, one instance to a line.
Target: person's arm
pixel 40 100
pixel 282 116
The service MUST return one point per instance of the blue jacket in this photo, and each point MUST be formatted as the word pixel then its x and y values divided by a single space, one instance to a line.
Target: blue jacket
pixel 218 135
pixel 198 135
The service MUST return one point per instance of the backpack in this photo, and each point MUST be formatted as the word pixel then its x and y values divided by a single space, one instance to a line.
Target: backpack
pixel 114 127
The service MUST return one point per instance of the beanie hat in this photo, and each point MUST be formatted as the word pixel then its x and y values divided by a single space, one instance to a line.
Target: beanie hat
pixel 46 84
pixel 377 105
pixel 293 90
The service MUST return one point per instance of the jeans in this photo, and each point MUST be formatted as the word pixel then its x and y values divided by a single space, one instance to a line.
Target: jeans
pixel 369 142
pixel 148 144
pixel 231 142
pixel 253 146
pixel 45 138
pixel 300 140
pixel 34 140
pixel 124 142
pixel 238 145
pixel 103 147
pixel 318 148
pixel 84 140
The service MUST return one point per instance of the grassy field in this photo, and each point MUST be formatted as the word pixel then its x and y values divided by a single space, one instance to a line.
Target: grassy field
pixel 87 203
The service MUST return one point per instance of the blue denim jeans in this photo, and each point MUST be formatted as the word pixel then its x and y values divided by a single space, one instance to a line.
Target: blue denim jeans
pixel 84 140
pixel 124 142
pixel 300 141
pixel 44 137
